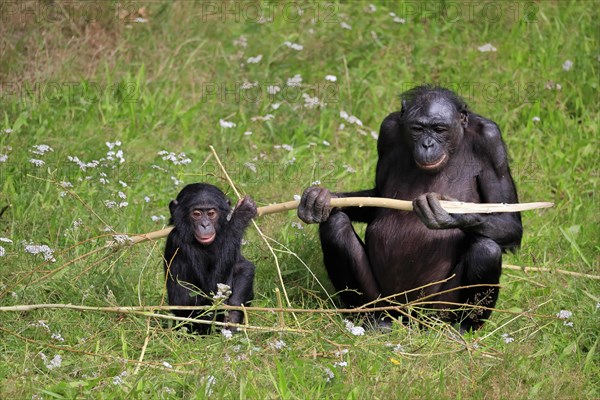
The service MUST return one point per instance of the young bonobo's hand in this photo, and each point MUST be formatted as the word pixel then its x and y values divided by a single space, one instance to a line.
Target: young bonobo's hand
pixel 245 209
pixel 314 205
pixel 430 212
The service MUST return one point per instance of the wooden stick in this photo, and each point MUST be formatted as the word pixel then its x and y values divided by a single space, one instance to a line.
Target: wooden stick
pixel 453 207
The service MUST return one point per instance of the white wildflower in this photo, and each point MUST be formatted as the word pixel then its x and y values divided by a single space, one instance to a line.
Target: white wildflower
pixel 242 41
pixel 341 364
pixel 507 338
pixel 564 314
pixel 147 199
pixel 210 382
pixel 371 9
pixel 167 365
pixel 353 329
pixel 568 323
pixel 55 362
pixel 176 159
pixel 113 144
pixel 37 163
pixel 2 251
pixel 345 25
pixel 294 81
pixel 227 124
pixel 3 157
pixel 247 133
pixel 41 149
pixel 250 166
pixel 77 223
pixel 326 143
pixel 349 169
pixel 293 46
pixel 5 240
pixel 123 183
pixel 122 195
pixel 121 239
pixel 57 336
pixel 273 89
pixel 311 102
pixel 567 65
pixel 487 48
pixel 254 60
pixel 110 203
pixel 350 118
pixel 277 344
pixel 317 182
pixel 374 135
pixel 329 375
pixel 118 380
pixel 275 106
pixel 66 184
pixel 83 165
pixel 331 78
pixel 103 181
pixel 297 197
pixel 297 225
pixel 399 20
pixel 43 249
pixel 227 334
pixel 536 119
pixel 176 181
pixel 248 85
pixel 41 324
pixel 8 130
pixel 156 218
pixel 223 292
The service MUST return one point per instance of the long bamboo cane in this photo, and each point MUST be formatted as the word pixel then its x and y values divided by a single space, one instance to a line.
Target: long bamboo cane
pixel 452 207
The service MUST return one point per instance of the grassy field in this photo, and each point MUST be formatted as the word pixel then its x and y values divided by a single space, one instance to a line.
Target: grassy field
pixel 107 109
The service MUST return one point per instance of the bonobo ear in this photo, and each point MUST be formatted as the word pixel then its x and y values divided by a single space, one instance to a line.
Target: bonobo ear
pixel 403 107
pixel 173 206
pixel 464 119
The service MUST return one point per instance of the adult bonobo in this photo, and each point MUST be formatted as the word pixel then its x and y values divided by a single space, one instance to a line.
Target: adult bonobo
pixel 432 149
pixel 203 251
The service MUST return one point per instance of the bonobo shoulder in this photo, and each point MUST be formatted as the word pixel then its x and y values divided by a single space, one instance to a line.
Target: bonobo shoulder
pixel 391 123
pixel 487 141
pixel 389 133
pixel 485 129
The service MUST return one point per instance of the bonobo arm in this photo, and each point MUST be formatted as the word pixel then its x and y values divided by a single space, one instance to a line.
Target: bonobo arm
pixel 494 184
pixel 315 205
pixel 229 251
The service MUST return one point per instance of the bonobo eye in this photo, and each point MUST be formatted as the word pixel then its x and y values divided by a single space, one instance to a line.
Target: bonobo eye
pixel 416 128
pixel 440 129
pixel 196 214
pixel 211 213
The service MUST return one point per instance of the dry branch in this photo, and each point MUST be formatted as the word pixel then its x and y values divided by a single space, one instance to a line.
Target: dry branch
pixel 453 207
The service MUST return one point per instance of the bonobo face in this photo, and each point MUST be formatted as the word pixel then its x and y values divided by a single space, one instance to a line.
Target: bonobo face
pixel 204 220
pixel 199 213
pixel 433 129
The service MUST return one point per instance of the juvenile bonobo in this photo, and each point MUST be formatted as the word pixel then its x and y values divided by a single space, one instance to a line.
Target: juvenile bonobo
pixel 203 250
pixel 432 149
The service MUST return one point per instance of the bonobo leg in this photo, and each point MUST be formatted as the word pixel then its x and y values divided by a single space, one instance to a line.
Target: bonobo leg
pixel 346 261
pixel 481 263
pixel 242 289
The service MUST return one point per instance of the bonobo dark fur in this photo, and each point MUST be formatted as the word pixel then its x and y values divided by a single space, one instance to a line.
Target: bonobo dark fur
pixel 432 149
pixel 204 249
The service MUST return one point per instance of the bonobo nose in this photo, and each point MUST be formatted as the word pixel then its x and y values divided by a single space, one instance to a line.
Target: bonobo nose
pixel 428 142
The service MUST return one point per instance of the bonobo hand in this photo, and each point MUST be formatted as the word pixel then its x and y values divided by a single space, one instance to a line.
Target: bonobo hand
pixel 314 205
pixel 245 209
pixel 430 212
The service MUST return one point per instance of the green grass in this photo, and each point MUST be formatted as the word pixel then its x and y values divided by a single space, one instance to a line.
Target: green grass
pixel 75 84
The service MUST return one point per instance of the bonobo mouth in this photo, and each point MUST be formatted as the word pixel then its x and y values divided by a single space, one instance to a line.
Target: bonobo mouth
pixel 435 165
pixel 205 239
